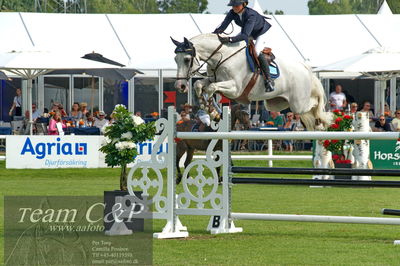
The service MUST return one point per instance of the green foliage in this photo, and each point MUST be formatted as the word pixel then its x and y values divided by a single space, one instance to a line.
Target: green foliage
pixel 122 6
pixel 122 136
pixel 183 6
pixel 277 12
pixel 324 7
pixel 17 5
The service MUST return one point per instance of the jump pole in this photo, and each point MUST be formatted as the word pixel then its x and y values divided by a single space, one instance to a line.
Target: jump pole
pixel 315 218
pixel 314 171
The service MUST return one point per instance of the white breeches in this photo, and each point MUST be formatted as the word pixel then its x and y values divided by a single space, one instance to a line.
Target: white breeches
pixel 261 43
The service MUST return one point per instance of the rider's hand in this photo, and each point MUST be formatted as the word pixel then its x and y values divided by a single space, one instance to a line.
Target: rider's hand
pixel 224 39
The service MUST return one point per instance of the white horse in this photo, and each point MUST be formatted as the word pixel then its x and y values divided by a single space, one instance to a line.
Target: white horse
pixel 361 147
pixel 229 73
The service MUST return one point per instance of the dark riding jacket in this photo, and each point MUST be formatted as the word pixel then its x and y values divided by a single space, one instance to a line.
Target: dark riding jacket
pixel 253 24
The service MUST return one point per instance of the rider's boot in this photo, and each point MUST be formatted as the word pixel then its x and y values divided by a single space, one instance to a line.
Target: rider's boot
pixel 265 69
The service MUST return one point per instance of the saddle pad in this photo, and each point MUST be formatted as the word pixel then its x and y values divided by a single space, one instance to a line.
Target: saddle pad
pixel 273 68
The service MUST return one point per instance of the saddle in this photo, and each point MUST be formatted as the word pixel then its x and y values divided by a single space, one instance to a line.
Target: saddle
pixel 254 63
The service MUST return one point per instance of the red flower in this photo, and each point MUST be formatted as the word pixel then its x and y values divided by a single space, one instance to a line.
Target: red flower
pixel 335 141
pixel 347 117
pixel 338 120
pixel 337 111
pixel 335 126
pixel 343 161
pixel 335 157
pixel 326 143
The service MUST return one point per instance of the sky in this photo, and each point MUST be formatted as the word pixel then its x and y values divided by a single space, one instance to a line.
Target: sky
pixel 290 7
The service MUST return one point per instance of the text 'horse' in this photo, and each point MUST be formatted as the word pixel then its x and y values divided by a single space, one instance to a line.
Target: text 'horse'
pixel 229 73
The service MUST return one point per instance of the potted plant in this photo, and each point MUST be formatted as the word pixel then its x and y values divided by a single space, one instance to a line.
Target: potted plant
pixel 340 148
pixel 121 138
pixel 120 147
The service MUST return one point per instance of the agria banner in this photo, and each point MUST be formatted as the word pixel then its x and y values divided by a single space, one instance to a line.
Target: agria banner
pixel 64 151
pixel 52 151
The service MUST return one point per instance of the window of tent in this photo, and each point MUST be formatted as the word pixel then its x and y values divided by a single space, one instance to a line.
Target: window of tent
pixel 7 94
pixel 146 95
pixel 114 92
pixel 56 90
pixel 86 89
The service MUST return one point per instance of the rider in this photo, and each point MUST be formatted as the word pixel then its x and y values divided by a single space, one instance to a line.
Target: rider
pixel 253 26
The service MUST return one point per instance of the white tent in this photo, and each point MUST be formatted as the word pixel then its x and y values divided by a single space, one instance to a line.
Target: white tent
pixel 30 64
pixel 385 9
pixel 380 64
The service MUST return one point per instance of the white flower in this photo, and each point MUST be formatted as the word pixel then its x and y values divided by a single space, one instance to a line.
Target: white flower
pixel 122 145
pixel 106 141
pixel 127 135
pixel 137 120
pixel 119 105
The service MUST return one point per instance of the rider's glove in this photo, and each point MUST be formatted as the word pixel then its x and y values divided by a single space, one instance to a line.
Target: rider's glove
pixel 224 39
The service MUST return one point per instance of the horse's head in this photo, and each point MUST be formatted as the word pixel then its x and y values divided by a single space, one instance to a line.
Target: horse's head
pixel 185 57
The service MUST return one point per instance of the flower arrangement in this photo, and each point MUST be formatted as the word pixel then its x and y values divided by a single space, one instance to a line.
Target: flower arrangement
pixel 121 138
pixel 342 122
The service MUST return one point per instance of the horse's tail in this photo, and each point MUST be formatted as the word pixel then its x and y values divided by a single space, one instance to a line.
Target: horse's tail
pixel 316 118
pixel 319 111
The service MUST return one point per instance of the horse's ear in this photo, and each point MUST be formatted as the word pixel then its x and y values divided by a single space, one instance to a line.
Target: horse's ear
pixel 175 42
pixel 187 42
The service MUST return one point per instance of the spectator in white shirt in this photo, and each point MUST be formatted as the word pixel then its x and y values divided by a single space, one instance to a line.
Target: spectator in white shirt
pixel 337 99
pixel 100 121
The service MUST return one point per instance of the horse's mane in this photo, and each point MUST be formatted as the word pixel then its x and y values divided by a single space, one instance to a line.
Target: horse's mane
pixel 205 36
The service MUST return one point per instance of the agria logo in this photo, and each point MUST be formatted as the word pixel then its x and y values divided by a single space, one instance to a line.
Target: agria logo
pixel 42 149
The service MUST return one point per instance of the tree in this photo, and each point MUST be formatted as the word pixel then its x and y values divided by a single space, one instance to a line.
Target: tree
pixel 277 12
pixel 16 6
pixel 324 7
pixel 183 6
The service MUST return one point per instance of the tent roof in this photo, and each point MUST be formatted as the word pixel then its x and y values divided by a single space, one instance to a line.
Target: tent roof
pixel 143 40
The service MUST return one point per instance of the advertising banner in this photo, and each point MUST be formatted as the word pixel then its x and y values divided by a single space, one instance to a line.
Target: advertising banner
pixel 385 154
pixel 46 152
pixel 52 151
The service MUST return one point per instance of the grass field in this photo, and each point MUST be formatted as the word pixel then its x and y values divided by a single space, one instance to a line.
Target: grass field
pixel 262 242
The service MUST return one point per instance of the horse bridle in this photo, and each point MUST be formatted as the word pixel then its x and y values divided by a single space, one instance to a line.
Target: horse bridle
pixel 190 73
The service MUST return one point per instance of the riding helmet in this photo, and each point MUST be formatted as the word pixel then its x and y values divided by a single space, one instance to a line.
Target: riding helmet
pixel 238 2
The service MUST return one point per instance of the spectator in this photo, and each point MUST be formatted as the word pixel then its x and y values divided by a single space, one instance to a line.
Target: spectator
pixel 275 118
pixel 382 125
pixel 367 109
pixel 289 125
pixel 353 108
pixel 89 121
pixel 54 107
pixel 299 125
pixel 17 104
pixel 36 113
pixel 188 109
pixel 337 99
pixel 56 125
pixel 84 109
pixel 75 113
pixel 138 113
pixel 387 112
pixel 396 121
pixel 100 121
pixel 62 110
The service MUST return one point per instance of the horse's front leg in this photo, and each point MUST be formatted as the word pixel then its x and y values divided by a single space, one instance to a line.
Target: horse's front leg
pixel 227 88
pixel 199 86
